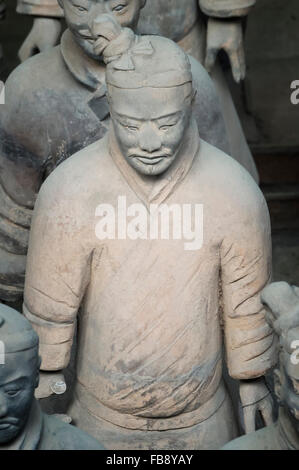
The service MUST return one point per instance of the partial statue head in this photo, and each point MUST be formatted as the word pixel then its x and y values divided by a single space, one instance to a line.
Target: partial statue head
pixel 282 303
pixel 82 18
pixel 150 93
pixel 19 372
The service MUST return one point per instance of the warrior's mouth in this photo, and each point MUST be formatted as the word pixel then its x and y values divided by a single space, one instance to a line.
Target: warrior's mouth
pixel 6 425
pixel 150 160
pixel 86 36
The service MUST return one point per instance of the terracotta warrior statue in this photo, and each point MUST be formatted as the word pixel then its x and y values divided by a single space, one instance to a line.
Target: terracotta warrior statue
pixel 23 426
pixel 138 230
pixel 56 105
pixel 201 27
pixel 282 301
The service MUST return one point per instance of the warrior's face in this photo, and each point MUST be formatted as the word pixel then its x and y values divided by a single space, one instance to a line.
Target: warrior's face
pixel 81 17
pixel 18 380
pixel 150 124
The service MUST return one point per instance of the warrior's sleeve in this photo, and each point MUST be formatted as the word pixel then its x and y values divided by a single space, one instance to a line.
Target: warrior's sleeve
pixel 245 271
pixel 20 177
pixel 57 273
pixel 49 8
pixel 226 8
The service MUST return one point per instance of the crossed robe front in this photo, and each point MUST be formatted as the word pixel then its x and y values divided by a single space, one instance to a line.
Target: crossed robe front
pixel 149 353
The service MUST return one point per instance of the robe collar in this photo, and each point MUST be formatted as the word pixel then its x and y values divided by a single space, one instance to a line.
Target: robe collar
pixel 31 435
pixel 286 434
pixel 156 189
pixel 85 69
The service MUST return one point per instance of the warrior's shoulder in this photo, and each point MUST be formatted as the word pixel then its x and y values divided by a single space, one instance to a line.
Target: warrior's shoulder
pixel 38 72
pixel 226 177
pixel 263 439
pixel 58 435
pixel 80 173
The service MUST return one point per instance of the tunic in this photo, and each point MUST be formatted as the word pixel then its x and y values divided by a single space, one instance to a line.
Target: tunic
pixel 55 106
pixel 149 330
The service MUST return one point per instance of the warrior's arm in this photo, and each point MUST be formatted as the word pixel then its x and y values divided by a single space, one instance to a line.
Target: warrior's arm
pixel 226 8
pixel 20 179
pixel 245 270
pixel 46 27
pixel 57 274
pixel 46 8
pixel 225 32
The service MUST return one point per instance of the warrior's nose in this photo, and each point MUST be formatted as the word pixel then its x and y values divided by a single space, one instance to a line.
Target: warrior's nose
pixel 104 25
pixel 149 139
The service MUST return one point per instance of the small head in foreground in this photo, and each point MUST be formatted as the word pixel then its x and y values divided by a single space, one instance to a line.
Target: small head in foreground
pixel 150 93
pixel 282 302
pixel 19 372
pixel 82 18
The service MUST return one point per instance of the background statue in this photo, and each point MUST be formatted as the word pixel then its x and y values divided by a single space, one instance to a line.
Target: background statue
pixel 149 355
pixel 46 27
pixel 22 424
pixel 282 301
pixel 201 27
pixel 56 105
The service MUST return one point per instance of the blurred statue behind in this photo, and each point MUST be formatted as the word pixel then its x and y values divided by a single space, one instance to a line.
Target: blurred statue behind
pixel 23 426
pixel 282 302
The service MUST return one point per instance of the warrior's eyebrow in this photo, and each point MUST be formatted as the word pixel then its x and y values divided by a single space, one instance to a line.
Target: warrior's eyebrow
pixel 84 3
pixel 166 116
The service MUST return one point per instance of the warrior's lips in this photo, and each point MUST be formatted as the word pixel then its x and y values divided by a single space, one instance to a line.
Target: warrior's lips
pixel 86 37
pixel 7 422
pixel 6 425
pixel 150 160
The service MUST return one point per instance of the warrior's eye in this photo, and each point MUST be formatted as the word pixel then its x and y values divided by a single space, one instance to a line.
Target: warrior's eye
pixel 166 127
pixel 80 8
pixel 118 8
pixel 12 393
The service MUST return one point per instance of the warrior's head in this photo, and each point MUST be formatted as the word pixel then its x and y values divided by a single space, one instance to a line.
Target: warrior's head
pixel 19 372
pixel 150 93
pixel 82 18
pixel 282 302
